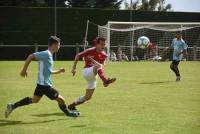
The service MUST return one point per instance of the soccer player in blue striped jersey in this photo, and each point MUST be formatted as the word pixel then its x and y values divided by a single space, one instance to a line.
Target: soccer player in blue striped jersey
pixel 179 49
pixel 44 82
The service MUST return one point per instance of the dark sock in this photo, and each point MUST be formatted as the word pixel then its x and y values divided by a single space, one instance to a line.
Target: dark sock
pixel 102 74
pixel 175 70
pixel 63 107
pixel 25 101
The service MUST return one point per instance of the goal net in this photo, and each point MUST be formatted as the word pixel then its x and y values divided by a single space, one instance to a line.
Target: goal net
pixel 122 39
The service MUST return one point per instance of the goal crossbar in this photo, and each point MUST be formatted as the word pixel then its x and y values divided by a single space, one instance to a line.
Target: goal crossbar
pixel 156 23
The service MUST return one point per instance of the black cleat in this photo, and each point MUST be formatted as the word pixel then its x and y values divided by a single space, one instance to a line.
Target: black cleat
pixel 73 114
pixel 72 107
pixel 109 81
pixel 9 110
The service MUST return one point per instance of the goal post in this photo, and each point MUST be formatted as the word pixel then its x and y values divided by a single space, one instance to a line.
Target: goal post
pixel 122 36
pixel 108 40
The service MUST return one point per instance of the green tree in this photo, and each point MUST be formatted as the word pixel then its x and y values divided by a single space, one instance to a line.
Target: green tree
pixel 51 3
pixel 111 4
pixel 18 3
pixel 32 3
pixel 148 5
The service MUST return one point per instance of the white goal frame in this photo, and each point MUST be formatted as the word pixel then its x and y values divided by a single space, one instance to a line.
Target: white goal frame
pixel 147 23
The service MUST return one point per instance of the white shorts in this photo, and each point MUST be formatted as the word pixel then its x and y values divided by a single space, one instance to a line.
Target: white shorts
pixel 90 77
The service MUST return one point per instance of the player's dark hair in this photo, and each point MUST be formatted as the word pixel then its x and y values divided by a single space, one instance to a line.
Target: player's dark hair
pixel 53 39
pixel 100 39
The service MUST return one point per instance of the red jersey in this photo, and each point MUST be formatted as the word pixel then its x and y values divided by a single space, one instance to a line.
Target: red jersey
pixel 92 52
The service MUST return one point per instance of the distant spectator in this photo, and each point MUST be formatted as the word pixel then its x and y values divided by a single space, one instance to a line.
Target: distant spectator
pixel 151 51
pixel 135 58
pixel 113 56
pixel 124 57
pixel 119 54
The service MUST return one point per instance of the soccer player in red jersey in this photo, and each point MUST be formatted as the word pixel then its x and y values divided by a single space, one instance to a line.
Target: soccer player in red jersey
pixel 94 60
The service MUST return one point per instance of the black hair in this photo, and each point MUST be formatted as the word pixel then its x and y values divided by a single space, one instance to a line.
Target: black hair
pixel 53 39
pixel 100 39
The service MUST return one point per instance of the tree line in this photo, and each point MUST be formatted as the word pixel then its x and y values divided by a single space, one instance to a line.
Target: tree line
pixel 144 5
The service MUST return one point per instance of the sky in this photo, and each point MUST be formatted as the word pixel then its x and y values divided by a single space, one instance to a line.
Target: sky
pixel 182 5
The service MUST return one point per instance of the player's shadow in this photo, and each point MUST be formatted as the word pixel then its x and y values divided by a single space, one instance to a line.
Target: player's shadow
pixel 48 114
pixel 79 126
pixel 156 82
pixel 51 114
pixel 10 122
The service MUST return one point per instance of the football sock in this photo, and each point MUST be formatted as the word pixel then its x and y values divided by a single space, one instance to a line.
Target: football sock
pixel 25 101
pixel 177 71
pixel 102 74
pixel 79 101
pixel 63 108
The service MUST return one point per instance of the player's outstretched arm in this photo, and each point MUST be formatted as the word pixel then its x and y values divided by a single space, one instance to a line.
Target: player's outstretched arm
pixel 61 70
pixel 23 72
pixel 77 57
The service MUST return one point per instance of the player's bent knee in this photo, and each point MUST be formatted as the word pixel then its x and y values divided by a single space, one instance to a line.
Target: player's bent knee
pixel 172 66
pixel 96 67
pixel 60 99
pixel 35 100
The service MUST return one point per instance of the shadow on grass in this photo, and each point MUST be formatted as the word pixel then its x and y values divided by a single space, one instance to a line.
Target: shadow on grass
pixel 79 126
pixel 49 114
pixel 52 114
pixel 10 122
pixel 156 82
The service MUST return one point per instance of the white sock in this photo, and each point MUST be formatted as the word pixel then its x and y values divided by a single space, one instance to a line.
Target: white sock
pixel 80 99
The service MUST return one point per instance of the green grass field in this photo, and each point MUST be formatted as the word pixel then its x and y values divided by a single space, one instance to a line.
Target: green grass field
pixel 144 100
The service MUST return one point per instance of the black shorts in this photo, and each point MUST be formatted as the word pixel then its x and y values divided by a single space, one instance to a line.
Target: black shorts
pixel 50 92
pixel 175 62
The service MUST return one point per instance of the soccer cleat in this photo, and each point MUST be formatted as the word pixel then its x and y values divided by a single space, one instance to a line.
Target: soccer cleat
pixel 109 81
pixel 73 114
pixel 72 107
pixel 178 78
pixel 9 110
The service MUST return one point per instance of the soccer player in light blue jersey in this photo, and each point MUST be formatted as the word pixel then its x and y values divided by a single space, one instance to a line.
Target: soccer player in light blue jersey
pixel 179 49
pixel 44 82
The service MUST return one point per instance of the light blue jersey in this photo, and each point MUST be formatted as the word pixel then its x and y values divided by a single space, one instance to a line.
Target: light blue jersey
pixel 178 46
pixel 45 60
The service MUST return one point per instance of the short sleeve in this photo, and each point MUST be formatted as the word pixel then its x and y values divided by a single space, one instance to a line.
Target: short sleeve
pixel 84 53
pixel 41 55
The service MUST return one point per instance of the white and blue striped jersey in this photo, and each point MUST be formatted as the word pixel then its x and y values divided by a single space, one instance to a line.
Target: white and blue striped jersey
pixel 45 61
pixel 178 46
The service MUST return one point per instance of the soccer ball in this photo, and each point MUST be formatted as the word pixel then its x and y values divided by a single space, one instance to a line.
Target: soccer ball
pixel 143 41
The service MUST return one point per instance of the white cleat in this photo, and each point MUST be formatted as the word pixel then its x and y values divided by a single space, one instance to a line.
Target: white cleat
pixel 9 110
